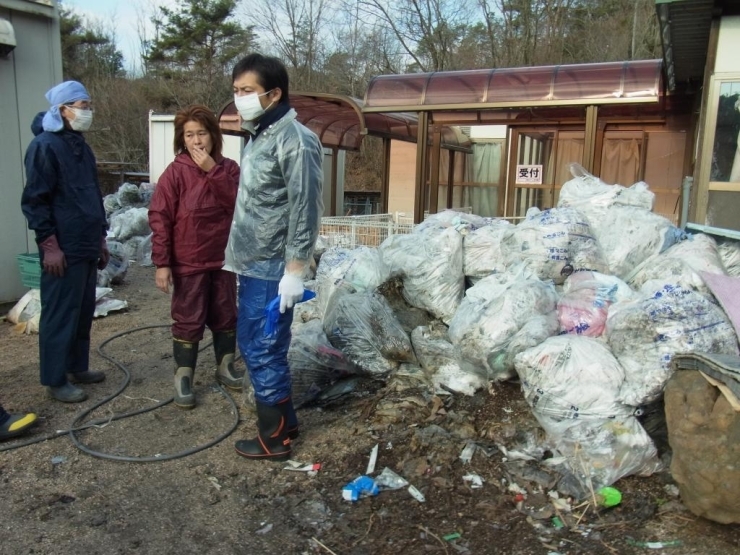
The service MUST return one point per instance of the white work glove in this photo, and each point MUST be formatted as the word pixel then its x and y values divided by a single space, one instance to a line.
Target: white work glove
pixel 290 291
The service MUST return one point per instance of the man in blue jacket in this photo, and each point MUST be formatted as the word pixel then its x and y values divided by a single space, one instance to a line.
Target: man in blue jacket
pixel 64 206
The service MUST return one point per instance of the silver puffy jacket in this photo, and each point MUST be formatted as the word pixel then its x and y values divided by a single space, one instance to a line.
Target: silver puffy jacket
pixel 280 203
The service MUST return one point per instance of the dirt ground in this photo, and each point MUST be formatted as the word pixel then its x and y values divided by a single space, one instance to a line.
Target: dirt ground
pixel 57 499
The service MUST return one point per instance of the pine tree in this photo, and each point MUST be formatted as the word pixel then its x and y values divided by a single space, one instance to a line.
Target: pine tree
pixel 196 45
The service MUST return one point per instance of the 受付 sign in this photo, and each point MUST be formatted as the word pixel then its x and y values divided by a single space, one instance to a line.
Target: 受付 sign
pixel 529 174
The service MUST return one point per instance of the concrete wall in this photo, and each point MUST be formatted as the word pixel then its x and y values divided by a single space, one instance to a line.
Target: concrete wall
pixel 25 75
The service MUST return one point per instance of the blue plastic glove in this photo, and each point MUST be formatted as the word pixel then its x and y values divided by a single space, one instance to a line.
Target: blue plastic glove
pixel 272 311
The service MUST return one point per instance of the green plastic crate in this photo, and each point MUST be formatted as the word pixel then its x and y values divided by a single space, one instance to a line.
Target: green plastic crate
pixel 30 268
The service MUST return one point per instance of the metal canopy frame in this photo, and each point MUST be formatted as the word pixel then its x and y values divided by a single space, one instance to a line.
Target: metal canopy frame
pixel 581 93
pixel 422 108
pixel 341 124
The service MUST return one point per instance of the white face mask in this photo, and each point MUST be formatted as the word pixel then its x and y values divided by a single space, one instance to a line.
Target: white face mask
pixel 83 119
pixel 249 106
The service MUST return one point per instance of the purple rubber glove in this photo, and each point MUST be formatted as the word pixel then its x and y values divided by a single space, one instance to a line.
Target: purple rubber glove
pixel 104 254
pixel 54 260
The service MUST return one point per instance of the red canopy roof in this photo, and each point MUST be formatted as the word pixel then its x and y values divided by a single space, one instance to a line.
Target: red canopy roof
pixel 578 84
pixel 340 122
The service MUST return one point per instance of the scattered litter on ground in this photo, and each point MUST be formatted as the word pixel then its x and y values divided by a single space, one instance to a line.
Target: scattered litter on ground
pixel 475 480
pixel 372 461
pixel 362 486
pixel 467 453
pixel 295 466
pixel 389 480
pixel 416 494
pixel 654 545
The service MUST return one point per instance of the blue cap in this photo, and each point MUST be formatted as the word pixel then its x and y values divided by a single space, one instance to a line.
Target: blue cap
pixel 63 93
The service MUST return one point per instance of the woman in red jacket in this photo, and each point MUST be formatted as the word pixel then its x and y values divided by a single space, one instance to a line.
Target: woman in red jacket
pixel 190 215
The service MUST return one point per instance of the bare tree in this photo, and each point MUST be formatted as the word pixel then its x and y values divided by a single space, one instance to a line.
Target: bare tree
pixel 429 31
pixel 294 29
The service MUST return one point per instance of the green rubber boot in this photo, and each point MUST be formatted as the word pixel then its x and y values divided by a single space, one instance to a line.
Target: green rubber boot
pixel 224 346
pixel 186 356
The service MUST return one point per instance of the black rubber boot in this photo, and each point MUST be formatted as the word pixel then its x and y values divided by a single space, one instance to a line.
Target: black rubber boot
pixel 272 441
pixel 224 345
pixel 292 421
pixel 67 393
pixel 186 357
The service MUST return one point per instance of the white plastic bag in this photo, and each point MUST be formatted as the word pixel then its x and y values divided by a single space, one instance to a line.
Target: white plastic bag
pixel 668 319
pixel 587 192
pixel 27 312
pixel 439 359
pixel 111 204
pixel 729 252
pixel 430 265
pixel 360 267
pixel 502 315
pixel 115 272
pixel 573 385
pixel 128 195
pixel 463 222
pixel 126 224
pixel 681 264
pixel 482 254
pixel 554 244
pixel 621 220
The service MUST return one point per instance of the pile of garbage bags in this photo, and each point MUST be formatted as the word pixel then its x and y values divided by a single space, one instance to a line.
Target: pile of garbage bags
pixel 585 303
pixel 129 237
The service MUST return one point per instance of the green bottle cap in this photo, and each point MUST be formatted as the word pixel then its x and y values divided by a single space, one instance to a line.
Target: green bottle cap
pixel 609 497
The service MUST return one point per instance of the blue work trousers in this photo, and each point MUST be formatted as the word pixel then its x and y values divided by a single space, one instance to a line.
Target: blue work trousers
pixel 67 308
pixel 266 357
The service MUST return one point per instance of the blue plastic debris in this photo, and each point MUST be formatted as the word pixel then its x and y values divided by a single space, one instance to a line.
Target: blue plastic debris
pixel 362 486
pixel 272 311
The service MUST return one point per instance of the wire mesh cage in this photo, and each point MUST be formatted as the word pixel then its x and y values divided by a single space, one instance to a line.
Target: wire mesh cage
pixel 354 231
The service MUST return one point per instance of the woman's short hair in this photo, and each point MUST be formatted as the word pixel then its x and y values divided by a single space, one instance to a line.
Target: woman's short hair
pixel 205 117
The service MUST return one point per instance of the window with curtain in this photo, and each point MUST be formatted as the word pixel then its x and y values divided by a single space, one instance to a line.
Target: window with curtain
pixel 620 158
pixel 483 172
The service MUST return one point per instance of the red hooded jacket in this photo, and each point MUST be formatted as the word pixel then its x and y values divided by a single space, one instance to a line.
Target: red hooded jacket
pixel 190 215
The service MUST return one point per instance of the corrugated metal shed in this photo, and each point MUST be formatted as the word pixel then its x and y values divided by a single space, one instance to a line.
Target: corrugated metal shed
pixel 26 73
pixel 684 31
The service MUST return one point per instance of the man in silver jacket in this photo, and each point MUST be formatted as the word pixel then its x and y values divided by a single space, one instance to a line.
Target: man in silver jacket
pixel 276 223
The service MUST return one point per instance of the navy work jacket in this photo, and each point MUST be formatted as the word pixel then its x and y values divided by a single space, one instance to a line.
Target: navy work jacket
pixel 62 195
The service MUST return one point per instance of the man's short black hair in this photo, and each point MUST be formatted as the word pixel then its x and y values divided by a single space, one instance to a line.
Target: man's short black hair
pixel 271 73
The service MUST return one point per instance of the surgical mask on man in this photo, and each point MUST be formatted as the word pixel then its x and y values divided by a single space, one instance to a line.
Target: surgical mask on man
pixel 83 119
pixel 249 106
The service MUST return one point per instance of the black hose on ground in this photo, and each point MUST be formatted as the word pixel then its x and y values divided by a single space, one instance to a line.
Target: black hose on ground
pixel 103 421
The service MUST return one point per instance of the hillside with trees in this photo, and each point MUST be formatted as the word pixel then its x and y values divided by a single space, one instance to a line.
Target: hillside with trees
pixel 334 46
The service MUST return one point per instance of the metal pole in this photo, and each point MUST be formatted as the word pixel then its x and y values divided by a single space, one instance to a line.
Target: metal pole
pixel 434 182
pixel 334 156
pixel 421 167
